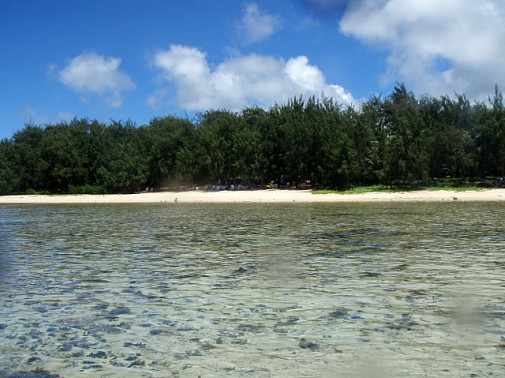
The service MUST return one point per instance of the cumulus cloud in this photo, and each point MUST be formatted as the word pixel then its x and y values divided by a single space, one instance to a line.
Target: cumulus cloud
pixel 435 46
pixel 257 25
pixel 90 73
pixel 238 82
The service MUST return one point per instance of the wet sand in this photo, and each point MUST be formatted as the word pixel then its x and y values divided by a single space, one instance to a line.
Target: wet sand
pixel 260 196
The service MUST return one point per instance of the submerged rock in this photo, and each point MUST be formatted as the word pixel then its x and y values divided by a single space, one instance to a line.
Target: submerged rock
pixel 122 310
pixel 239 341
pixel 132 291
pixel 100 307
pixel 99 354
pixel 137 363
pixel 137 345
pixel 339 313
pixel 278 329
pixel 160 331
pixel 251 328
pixel 241 271
pixel 289 321
pixel 406 325
pixel 305 344
pixel 67 347
pixel 369 274
pixel 107 328
pixel 30 374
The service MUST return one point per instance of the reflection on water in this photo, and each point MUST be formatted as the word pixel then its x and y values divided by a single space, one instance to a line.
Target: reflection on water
pixel 256 290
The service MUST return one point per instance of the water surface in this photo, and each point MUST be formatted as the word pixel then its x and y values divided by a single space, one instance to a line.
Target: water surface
pixel 256 290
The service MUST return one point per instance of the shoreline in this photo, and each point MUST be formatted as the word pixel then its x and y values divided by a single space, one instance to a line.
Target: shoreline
pixel 258 196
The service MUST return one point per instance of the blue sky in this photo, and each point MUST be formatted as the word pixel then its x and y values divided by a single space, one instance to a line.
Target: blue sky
pixel 120 60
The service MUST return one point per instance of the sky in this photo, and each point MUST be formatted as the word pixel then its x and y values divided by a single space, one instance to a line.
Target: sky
pixel 136 60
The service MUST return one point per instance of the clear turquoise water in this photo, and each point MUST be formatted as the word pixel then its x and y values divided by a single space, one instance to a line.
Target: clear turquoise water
pixel 260 290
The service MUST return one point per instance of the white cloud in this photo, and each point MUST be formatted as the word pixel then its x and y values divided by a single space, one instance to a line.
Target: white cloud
pixel 256 25
pixel 238 82
pixel 309 78
pixel 188 69
pixel 90 73
pixel 435 46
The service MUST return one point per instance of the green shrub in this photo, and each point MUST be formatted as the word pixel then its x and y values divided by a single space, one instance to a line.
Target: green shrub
pixel 86 189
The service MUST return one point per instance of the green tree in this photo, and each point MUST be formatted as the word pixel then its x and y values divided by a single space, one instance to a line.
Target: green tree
pixel 490 136
pixel 123 166
pixel 169 141
pixel 452 152
pixel 373 120
pixel 10 180
pixel 407 158
pixel 227 145
pixel 31 167
pixel 64 150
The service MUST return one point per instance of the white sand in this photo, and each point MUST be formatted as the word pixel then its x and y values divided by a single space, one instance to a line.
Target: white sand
pixel 260 196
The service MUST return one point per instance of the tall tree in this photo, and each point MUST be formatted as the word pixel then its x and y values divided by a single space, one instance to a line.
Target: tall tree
pixel 490 136
pixel 10 180
pixel 407 158
pixel 168 138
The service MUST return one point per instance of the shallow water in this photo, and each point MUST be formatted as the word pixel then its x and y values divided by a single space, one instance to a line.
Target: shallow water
pixel 260 290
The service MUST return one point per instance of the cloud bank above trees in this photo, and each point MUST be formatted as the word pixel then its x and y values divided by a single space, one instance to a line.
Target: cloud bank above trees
pixel 237 82
pixel 434 46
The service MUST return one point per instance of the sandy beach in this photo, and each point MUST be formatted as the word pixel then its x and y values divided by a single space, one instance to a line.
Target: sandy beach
pixel 259 196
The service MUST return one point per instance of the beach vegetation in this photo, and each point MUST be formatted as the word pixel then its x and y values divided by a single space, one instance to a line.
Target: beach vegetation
pixel 436 185
pixel 86 189
pixel 393 142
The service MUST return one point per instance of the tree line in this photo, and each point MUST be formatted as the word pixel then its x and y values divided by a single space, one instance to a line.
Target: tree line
pixel 397 139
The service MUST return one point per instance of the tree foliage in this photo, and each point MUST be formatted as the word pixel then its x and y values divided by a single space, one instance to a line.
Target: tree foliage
pixel 393 140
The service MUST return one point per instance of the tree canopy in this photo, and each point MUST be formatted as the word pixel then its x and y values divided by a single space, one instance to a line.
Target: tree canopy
pixel 397 139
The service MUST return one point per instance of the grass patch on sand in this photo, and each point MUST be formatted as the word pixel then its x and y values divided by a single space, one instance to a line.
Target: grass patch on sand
pixel 357 190
pixel 388 189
